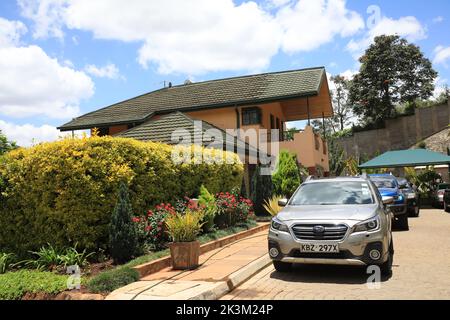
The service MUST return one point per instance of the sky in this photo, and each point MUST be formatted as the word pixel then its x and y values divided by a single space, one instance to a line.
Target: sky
pixel 63 58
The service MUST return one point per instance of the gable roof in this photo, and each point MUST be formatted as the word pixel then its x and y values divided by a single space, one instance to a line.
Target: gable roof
pixel 243 90
pixel 161 129
pixel 407 158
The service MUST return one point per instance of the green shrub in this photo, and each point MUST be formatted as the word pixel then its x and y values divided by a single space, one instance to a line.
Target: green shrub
pixel 261 190
pixel 46 258
pixel 64 192
pixel 207 201
pixel 49 258
pixel 111 280
pixel 6 261
pixel 14 285
pixel 123 240
pixel 286 178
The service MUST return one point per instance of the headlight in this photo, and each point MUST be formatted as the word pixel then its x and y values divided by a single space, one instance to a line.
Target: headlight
pixel 279 226
pixel 400 197
pixel 411 195
pixel 368 225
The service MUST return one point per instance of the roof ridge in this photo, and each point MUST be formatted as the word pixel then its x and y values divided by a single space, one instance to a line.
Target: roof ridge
pixel 247 76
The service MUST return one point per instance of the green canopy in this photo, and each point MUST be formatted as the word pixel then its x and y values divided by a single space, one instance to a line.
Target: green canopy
pixel 406 158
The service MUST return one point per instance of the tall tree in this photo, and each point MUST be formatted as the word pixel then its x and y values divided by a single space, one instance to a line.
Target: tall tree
pixel 6 145
pixel 392 71
pixel 342 109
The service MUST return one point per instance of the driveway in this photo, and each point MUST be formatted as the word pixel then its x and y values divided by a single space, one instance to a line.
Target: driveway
pixel 421 271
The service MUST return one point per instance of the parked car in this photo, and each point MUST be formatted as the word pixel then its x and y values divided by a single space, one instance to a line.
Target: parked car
pixel 447 200
pixel 333 221
pixel 388 186
pixel 438 194
pixel 412 197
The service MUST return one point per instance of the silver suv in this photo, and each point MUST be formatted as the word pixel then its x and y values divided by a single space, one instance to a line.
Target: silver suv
pixel 333 221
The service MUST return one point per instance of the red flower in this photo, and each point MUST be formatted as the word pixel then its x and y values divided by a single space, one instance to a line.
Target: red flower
pixel 136 219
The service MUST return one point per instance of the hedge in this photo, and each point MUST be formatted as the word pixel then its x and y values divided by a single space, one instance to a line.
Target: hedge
pixel 64 192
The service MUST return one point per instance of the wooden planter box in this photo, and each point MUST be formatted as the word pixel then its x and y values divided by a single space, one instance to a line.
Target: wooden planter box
pixel 185 255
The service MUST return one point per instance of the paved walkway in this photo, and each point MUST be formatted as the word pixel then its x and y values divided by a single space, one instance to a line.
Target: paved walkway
pixel 212 278
pixel 421 271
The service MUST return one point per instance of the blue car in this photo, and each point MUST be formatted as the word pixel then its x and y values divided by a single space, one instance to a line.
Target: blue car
pixel 388 186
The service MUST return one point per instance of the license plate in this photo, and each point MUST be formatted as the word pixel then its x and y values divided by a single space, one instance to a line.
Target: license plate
pixel 319 248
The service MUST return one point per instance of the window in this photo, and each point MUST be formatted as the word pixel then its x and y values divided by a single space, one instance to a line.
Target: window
pixel 103 131
pixel 333 193
pixel 251 116
pixel 278 123
pixel 272 122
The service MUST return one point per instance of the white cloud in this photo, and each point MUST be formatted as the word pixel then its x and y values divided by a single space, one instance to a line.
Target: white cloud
pixel 28 134
pixel 442 55
pixel 109 71
pixel 438 19
pixel 407 27
pixel 10 32
pixel 311 23
pixel 34 84
pixel 200 36
pixel 440 85
pixel 47 16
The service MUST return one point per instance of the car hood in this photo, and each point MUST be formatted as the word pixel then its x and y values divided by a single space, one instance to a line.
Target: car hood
pixel 388 192
pixel 328 212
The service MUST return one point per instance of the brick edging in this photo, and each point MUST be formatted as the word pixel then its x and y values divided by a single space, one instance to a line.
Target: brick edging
pixel 161 263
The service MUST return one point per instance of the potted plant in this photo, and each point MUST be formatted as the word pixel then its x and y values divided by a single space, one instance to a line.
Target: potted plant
pixel 184 229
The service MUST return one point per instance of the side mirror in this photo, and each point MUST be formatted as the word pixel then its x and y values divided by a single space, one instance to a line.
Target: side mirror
pixel 388 200
pixel 282 202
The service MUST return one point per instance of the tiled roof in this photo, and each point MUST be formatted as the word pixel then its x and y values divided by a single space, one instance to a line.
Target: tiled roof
pixel 161 130
pixel 209 94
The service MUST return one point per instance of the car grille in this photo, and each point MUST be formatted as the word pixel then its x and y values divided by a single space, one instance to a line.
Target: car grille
pixel 311 232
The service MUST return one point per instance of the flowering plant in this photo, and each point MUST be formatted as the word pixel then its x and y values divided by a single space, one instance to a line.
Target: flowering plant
pixel 152 227
pixel 234 207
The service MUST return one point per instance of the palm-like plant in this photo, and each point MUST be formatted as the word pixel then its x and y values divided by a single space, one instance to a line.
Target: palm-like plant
pixel 272 205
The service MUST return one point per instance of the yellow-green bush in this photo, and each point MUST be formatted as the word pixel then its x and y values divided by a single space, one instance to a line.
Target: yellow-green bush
pixel 64 192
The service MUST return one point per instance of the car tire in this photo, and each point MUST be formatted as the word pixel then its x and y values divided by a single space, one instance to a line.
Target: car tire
pixel 415 212
pixel 282 266
pixel 386 267
pixel 402 222
pixel 446 208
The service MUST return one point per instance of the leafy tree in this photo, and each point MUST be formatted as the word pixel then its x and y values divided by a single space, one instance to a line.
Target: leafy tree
pixel 342 108
pixel 6 145
pixel 337 157
pixel 286 178
pixel 392 71
pixel 261 190
pixel 123 239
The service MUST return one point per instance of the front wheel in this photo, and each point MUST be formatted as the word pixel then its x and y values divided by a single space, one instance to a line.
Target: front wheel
pixel 415 211
pixel 402 222
pixel 386 267
pixel 446 208
pixel 282 266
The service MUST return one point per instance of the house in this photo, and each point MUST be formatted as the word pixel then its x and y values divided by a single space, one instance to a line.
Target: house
pixel 262 102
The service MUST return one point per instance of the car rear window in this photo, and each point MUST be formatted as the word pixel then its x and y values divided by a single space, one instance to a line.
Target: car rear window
pixel 333 193
pixel 383 183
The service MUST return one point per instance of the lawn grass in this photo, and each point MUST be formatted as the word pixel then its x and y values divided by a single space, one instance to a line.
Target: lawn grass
pixel 14 285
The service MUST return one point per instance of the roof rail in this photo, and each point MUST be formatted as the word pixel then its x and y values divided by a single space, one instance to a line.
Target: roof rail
pixel 309 178
pixel 364 175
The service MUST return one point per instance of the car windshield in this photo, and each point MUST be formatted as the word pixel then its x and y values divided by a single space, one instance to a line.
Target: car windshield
pixel 383 183
pixel 333 193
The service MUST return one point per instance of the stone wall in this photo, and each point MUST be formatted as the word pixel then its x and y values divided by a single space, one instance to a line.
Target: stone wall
pixel 400 133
